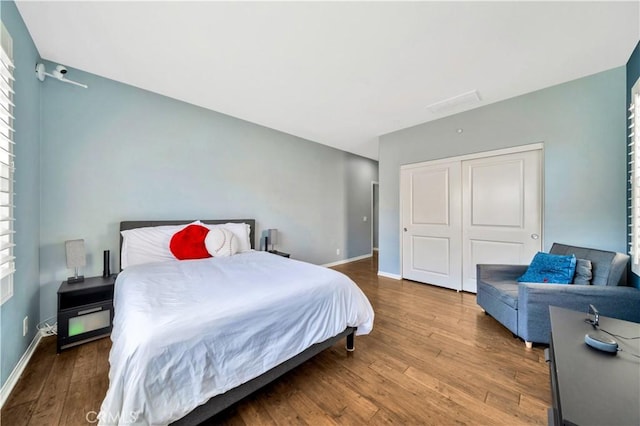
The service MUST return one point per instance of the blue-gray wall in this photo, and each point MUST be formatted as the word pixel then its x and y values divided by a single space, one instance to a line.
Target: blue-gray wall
pixel 113 152
pixel 633 73
pixel 26 297
pixel 582 126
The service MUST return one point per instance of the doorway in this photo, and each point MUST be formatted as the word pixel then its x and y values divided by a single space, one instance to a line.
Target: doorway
pixel 375 196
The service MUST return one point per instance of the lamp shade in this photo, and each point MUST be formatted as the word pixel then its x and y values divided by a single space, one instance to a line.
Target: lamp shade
pixel 76 257
pixel 272 234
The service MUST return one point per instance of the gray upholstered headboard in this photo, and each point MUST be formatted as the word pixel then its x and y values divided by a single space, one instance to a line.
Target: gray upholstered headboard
pixel 132 224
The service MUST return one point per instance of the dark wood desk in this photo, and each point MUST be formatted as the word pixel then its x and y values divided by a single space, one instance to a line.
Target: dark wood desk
pixel 590 387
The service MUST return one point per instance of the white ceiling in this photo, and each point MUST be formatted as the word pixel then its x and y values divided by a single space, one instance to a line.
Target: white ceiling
pixel 340 74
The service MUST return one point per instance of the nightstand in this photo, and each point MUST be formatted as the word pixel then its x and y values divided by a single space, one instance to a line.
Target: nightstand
pixel 85 311
pixel 279 253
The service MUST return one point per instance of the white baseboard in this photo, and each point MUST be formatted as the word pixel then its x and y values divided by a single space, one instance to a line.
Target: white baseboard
pixel 342 262
pixel 12 380
pixel 388 275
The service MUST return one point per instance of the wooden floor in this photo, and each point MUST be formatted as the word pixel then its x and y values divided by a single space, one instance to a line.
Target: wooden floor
pixel 432 358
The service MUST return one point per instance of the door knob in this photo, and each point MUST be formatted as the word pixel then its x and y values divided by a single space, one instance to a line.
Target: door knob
pixel 535 236
pixel 405 229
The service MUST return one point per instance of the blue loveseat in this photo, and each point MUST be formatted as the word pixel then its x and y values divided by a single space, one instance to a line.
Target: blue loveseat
pixel 524 307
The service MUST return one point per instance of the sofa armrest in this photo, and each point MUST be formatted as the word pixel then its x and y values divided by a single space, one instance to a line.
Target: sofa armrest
pixel 486 272
pixel 534 301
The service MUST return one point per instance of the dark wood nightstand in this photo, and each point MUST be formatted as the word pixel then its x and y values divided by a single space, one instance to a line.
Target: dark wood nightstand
pixel 279 253
pixel 85 311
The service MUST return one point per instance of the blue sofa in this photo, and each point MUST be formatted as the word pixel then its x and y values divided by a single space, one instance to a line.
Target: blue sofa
pixel 524 307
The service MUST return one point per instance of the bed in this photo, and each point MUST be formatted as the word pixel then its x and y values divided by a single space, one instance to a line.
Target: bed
pixel 191 338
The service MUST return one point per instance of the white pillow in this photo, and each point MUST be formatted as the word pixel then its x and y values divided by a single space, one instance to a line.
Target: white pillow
pixel 148 244
pixel 221 242
pixel 240 230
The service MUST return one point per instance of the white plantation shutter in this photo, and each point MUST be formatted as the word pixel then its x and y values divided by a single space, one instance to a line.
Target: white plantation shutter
pixel 634 178
pixel 7 259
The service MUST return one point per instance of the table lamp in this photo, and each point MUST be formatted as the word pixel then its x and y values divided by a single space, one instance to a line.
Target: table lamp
pixel 76 258
pixel 272 238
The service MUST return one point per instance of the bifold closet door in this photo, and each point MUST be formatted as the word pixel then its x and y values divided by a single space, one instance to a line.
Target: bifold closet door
pixel 501 211
pixel 431 222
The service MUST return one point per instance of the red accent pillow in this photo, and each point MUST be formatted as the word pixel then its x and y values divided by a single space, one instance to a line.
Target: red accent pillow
pixel 188 243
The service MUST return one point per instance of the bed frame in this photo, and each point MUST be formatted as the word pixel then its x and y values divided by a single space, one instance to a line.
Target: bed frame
pixel 220 402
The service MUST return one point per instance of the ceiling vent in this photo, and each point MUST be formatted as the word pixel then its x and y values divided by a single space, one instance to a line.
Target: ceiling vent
pixel 458 102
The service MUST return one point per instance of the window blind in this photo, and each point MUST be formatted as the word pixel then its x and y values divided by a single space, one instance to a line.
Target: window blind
pixel 634 179
pixel 7 259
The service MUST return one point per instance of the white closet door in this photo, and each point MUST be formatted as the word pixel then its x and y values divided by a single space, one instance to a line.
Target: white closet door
pixel 501 211
pixel 431 234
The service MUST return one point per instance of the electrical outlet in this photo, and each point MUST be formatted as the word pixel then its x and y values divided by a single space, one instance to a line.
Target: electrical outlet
pixel 338 252
pixel 25 326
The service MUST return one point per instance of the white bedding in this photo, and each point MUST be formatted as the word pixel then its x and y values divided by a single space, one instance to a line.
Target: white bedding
pixel 185 331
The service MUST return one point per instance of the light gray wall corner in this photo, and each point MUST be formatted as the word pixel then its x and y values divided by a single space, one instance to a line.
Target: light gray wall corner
pixel 25 300
pixel 115 152
pixel 583 130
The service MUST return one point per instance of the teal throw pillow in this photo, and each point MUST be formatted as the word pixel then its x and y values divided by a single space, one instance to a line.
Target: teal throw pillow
pixel 550 268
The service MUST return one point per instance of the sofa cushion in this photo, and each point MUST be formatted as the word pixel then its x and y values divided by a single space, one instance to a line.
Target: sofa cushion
pixel 602 262
pixel 506 291
pixel 583 272
pixel 550 268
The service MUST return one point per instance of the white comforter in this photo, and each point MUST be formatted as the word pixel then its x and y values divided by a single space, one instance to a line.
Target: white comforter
pixel 185 331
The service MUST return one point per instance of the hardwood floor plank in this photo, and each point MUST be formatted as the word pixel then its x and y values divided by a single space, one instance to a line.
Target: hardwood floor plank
pixel 51 402
pixel 102 356
pixel 276 402
pixel 31 382
pixel 254 414
pixel 17 415
pixel 433 357
pixel 358 404
pixel 83 400
pixel 439 405
pixel 355 404
pixel 307 408
pixel 385 417
pixel 388 394
pixel 462 398
pixel 512 407
pixel 350 407
pixel 530 406
pixel 86 362
pixel 530 380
